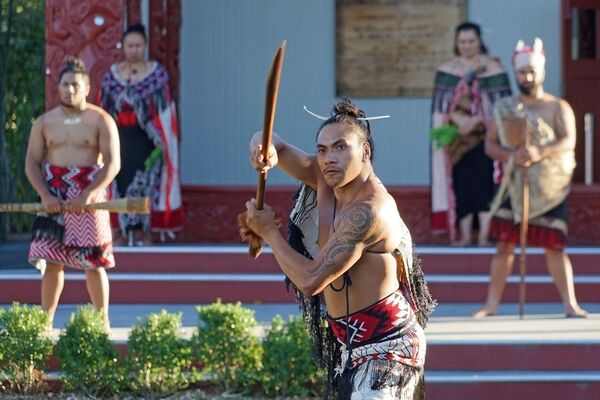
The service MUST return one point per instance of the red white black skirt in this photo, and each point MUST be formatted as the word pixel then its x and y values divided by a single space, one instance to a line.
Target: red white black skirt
pixel 78 240
pixel 548 230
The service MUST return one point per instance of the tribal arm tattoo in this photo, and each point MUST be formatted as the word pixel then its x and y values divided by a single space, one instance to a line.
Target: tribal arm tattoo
pixel 355 229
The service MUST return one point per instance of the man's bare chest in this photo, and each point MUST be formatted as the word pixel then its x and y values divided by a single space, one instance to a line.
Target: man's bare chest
pixel 547 112
pixel 60 135
pixel 327 205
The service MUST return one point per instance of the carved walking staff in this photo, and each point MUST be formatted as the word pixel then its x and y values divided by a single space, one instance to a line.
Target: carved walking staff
pixel 272 90
pixel 524 225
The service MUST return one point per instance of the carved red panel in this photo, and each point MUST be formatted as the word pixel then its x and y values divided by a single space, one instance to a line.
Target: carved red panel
pixel 211 212
pixel 87 29
pixel 165 24
pixel 134 12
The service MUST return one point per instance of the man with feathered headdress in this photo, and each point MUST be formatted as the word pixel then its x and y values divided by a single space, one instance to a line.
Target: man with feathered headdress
pixel 549 160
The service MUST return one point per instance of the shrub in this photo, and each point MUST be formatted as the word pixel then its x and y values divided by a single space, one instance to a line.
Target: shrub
pixel 87 356
pixel 288 366
pixel 160 361
pixel 227 347
pixel 25 347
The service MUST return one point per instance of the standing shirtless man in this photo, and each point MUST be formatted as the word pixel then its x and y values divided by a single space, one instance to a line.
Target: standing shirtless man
pixel 549 161
pixel 72 156
pixel 364 260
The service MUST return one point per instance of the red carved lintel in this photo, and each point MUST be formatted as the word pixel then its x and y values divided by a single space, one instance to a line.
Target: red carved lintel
pixel 134 12
pixel 89 30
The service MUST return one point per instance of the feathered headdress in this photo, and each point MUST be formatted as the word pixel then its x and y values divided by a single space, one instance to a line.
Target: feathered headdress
pixel 529 56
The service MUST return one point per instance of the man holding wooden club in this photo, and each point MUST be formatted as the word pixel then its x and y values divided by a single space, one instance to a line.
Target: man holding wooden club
pixel 72 156
pixel 533 134
pixel 363 266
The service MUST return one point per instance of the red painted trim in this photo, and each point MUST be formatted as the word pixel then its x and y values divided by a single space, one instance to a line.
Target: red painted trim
pixel 188 292
pixel 211 212
pixel 512 390
pixel 507 357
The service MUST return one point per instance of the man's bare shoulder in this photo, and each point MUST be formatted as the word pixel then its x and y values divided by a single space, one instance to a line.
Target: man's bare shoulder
pixel 100 115
pixel 361 221
pixel 49 117
pixel 380 206
pixel 52 113
pixel 95 110
pixel 38 124
pixel 563 104
pixel 555 103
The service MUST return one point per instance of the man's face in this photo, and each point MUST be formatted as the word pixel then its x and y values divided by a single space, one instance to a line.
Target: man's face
pixel 340 153
pixel 133 47
pixel 529 80
pixel 468 43
pixel 73 88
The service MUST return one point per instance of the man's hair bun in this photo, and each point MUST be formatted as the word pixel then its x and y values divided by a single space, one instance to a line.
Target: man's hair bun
pixel 347 108
pixel 73 65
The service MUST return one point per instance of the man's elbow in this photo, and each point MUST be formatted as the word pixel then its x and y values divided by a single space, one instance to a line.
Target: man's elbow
pixel 30 167
pixel 117 166
pixel 113 165
pixel 310 287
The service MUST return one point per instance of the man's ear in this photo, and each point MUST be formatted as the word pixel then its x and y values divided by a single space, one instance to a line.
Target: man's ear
pixel 366 152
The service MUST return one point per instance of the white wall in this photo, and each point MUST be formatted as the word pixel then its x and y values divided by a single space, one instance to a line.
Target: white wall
pixel 227 47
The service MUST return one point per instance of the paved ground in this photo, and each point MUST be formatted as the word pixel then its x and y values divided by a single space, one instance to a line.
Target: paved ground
pixel 13 255
pixel 449 323
pixel 543 323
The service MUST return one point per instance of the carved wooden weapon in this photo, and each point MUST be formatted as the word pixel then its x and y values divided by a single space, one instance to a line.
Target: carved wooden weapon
pixel 524 226
pixel 126 205
pixel 272 91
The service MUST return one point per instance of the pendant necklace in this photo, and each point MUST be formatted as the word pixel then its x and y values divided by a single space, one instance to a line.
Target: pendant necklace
pixel 133 72
pixel 72 120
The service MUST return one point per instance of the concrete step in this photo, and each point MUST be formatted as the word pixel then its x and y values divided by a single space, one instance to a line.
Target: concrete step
pixel 235 259
pixel 201 274
pixel 170 288
pixel 513 385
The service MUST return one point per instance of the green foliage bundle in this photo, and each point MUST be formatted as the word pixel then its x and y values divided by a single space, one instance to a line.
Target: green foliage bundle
pixel 227 347
pixel 288 366
pixel 25 347
pixel 87 357
pixel 443 135
pixel 160 361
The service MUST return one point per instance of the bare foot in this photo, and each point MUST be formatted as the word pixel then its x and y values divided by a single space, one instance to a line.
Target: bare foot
pixel 107 328
pixel 461 243
pixel 48 330
pixel 484 312
pixel 576 312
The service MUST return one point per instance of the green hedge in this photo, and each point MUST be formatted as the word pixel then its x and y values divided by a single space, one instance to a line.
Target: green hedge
pixel 87 357
pixel 24 347
pixel 225 352
pixel 160 361
pixel 288 366
pixel 227 347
